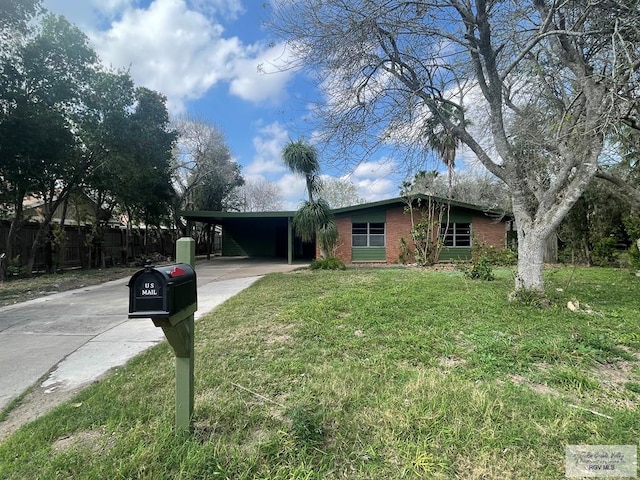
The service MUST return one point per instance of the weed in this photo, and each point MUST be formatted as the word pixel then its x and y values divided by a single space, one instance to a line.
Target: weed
pixel 633 386
pixel 529 298
pixel 307 425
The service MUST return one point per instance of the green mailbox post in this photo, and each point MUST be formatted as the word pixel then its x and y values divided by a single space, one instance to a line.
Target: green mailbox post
pixel 167 295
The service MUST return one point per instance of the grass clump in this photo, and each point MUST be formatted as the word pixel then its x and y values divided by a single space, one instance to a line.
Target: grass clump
pixel 307 425
pixel 373 373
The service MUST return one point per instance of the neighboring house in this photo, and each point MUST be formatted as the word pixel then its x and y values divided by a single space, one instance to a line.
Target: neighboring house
pixel 369 232
pixel 80 211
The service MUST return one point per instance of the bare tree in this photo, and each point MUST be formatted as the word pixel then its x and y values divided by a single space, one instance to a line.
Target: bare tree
pixel 339 192
pixel 259 196
pixel 204 171
pixel 560 72
pixel 474 187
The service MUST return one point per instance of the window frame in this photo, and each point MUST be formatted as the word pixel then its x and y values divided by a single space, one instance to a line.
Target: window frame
pixel 368 235
pixel 453 236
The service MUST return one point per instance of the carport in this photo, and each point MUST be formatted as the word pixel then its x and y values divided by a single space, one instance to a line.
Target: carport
pixel 255 234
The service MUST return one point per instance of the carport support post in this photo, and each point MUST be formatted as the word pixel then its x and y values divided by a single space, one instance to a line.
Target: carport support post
pixel 185 253
pixel 289 241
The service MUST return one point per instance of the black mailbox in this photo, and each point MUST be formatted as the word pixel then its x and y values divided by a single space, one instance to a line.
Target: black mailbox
pixel 167 294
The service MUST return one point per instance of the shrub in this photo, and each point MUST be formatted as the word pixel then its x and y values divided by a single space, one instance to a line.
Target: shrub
pixel 634 257
pixel 480 269
pixel 604 252
pixel 405 252
pixel 15 268
pixel 496 256
pixel 331 263
pixel 153 259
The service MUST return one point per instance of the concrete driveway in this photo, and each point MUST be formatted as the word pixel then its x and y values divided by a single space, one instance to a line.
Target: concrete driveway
pixel 64 341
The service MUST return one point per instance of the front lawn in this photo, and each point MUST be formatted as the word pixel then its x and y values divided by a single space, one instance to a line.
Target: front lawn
pixel 366 374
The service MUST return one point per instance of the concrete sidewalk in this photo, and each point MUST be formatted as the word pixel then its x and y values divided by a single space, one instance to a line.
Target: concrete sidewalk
pixel 64 341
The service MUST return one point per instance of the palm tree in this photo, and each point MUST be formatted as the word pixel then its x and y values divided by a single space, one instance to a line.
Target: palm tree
pixel 313 218
pixel 444 143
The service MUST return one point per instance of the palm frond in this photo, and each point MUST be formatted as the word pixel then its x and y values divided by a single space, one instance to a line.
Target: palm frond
pixel 301 157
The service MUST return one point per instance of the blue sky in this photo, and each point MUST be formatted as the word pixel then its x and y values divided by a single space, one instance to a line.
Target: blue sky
pixel 213 60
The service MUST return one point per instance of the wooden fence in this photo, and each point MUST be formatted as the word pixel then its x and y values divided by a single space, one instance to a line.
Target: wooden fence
pixel 78 250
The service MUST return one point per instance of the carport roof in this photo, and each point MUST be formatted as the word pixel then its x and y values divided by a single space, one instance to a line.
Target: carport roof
pixel 207 216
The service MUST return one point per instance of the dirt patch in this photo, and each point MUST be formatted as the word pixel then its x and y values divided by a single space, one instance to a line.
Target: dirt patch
pixel 278 335
pixel 617 373
pixel 96 441
pixel 540 388
pixel 35 404
pixel 451 362
pixel 276 339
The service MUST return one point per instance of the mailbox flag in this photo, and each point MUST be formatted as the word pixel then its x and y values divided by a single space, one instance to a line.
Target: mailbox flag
pixel 176 272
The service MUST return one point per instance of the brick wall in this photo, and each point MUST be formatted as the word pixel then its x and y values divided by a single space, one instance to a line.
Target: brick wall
pixel 488 231
pixel 398 226
pixel 343 249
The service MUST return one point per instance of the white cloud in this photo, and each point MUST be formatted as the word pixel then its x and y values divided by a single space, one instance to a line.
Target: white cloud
pixel 293 188
pixel 178 47
pixel 260 76
pixel 377 169
pixel 268 146
pixel 375 180
pixel 169 48
pixel 229 8
pixel 376 189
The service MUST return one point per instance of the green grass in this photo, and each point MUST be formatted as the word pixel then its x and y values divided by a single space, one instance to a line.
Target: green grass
pixel 365 374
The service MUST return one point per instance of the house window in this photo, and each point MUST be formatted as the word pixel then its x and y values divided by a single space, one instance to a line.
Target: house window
pixel 456 234
pixel 367 235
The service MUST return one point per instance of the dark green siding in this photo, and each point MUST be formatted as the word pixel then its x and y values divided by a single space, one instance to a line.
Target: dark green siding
pixel 255 239
pixel 231 248
pixel 457 216
pixel 368 254
pixel 455 253
pixel 373 216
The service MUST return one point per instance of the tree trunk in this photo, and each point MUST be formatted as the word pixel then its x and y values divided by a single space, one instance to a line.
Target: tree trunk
pixel 59 247
pixel 50 205
pixel 3 267
pixel 11 237
pixel 34 249
pixel 15 226
pixel 531 248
